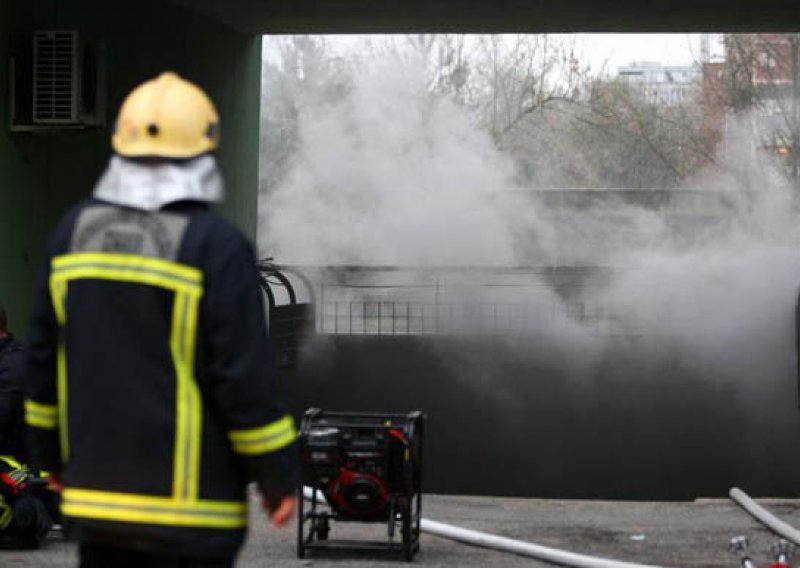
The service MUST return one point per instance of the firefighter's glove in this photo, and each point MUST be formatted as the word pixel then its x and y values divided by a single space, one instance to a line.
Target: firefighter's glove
pixel 54 483
pixel 281 510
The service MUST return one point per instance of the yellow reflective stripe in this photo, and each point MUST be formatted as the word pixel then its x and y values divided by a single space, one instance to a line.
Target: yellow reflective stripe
pixel 188 415
pixel 196 401
pixel 6 513
pixel 132 262
pixel 126 274
pixel 131 508
pixel 41 415
pixel 39 422
pixel 12 463
pixel 260 432
pixel 263 439
pixel 271 444
pixel 58 298
pixel 127 268
pixel 181 403
pixel 151 501
pixel 61 390
pixel 153 516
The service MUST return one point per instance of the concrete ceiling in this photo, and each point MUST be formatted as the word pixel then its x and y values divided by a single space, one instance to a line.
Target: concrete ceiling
pixel 403 16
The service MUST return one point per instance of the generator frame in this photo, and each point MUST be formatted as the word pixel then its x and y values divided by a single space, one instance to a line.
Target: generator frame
pixel 319 515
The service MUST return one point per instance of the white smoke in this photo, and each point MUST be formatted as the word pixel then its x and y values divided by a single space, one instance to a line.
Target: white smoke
pixel 390 176
pixel 668 359
pixel 725 300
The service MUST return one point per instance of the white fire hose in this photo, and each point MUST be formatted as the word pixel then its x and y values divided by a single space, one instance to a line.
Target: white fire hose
pixel 486 540
pixel 778 526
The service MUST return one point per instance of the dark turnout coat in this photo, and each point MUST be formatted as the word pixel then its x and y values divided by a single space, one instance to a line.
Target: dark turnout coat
pixel 12 372
pixel 151 385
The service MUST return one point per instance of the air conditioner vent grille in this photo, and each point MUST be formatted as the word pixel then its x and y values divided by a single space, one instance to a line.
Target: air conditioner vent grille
pixel 55 84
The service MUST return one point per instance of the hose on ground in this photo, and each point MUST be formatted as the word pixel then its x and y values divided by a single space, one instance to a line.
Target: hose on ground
pixel 778 526
pixel 504 544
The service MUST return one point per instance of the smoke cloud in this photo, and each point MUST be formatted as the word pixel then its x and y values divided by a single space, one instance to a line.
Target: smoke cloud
pixel 390 175
pixel 584 343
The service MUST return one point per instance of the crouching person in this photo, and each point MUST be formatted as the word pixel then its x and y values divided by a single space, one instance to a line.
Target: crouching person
pixel 26 506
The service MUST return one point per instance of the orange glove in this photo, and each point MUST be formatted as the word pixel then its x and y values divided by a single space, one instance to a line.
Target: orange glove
pixel 54 483
pixel 283 512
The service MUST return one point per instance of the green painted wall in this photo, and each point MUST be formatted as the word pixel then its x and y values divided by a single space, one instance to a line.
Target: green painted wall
pixel 41 174
pixel 20 196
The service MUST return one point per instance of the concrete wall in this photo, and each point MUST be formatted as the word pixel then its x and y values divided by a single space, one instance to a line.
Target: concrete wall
pixel 41 174
pixel 534 417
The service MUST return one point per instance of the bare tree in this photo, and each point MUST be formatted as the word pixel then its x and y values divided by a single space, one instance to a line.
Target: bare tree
pixel 530 92
pixel 656 145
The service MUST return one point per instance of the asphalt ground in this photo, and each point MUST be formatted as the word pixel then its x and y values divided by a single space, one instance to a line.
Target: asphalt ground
pixel 665 534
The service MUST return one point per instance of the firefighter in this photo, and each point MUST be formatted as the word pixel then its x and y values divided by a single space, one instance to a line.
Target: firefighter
pixel 151 394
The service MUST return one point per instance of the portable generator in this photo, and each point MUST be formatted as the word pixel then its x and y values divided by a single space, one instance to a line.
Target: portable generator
pixel 367 466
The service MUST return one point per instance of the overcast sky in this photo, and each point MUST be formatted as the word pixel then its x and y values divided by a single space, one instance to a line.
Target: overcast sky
pixel 603 52
pixel 615 50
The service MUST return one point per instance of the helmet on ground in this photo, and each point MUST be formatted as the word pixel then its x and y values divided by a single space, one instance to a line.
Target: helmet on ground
pixel 166 117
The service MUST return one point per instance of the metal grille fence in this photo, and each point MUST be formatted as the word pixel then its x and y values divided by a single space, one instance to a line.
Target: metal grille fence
pixel 418 318
pixel 400 302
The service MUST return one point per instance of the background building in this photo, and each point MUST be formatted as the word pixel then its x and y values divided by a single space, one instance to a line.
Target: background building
pixel 753 89
pixel 662 84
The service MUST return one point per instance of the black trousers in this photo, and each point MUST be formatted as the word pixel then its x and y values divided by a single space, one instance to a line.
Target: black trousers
pixel 102 556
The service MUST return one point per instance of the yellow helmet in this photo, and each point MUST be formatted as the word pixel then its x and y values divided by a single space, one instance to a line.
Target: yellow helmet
pixel 166 117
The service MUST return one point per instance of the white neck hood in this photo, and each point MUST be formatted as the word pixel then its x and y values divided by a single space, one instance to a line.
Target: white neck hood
pixel 150 186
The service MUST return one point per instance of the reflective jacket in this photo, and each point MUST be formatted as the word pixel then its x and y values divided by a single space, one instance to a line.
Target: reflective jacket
pixel 151 385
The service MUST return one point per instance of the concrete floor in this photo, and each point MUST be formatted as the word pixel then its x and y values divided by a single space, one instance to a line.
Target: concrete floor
pixel 686 534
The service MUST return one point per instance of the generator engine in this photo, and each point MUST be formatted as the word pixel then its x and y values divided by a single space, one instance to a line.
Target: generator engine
pixel 367 466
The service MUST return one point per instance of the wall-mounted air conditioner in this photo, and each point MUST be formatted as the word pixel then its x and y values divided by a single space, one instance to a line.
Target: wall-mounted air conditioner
pixel 57 82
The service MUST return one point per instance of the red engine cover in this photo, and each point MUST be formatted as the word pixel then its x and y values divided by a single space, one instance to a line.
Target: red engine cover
pixel 359 494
